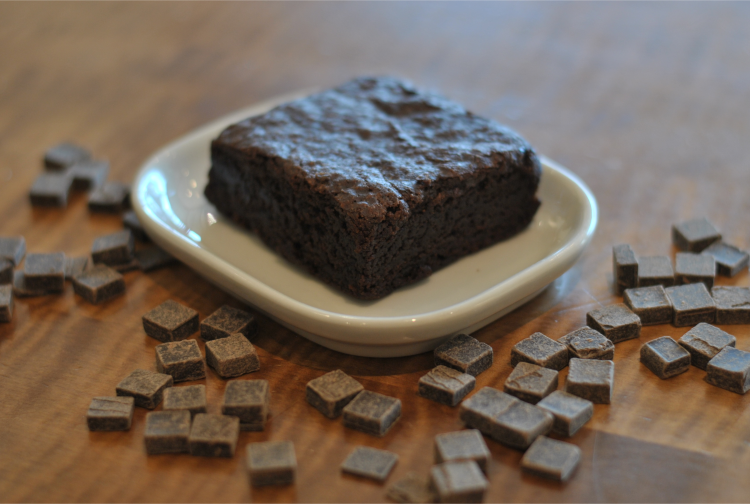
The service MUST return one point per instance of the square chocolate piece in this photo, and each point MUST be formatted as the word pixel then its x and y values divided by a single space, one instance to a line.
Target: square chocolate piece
pixel 531 383
pixel 89 174
pixel 170 321
pixel 540 350
pixel 271 463
pixel 551 459
pixel 729 259
pixel 655 270
pixel 411 488
pixel 651 304
pixel 146 387
pixel 694 235
pixel 98 284
pixel 464 353
pixel 692 304
pixel 50 190
pixel 249 401
pixel 232 356
pixel 703 342
pixel 664 357
pixel 12 248
pixel 625 267
pixel 191 398
pixel 6 303
pixel 64 155
pixel 110 197
pixel 151 258
pixel 130 221
pixel 480 410
pixel 462 445
pixel 167 432
pixel 616 322
pixel 227 321
pixel 6 272
pixel 445 385
pixel 732 305
pixel 110 413
pixel 591 379
pixel 214 435
pixel 521 424
pixel 458 482
pixel 730 370
pixel 692 268
pixel 370 463
pixel 331 392
pixel 588 343
pixel 21 289
pixel 182 360
pixel 75 266
pixel 372 413
pixel 570 412
pixel 128 266
pixel 113 249
pixel 45 272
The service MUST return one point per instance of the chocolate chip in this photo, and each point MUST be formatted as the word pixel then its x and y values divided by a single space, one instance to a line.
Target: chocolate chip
pixel 704 342
pixel 191 398
pixel 664 357
pixel 21 288
pixel 113 249
pixel 6 272
pixel 588 343
pixel 521 424
pixel 411 488
pixel 458 482
pixel 625 267
pixel 152 258
pixel 616 322
pixel 271 463
pixel 64 155
pixel 51 190
pixel 531 383
pixel 591 379
pixel 130 221
pixel 462 445
pixel 110 413
pixel 540 350
pixel 694 235
pixel 570 412
pixel 732 305
pixel 182 360
pixel 214 435
pixel 232 356
pixel 692 304
pixel 87 175
pixel 6 303
pixel 370 463
pixel 110 197
pixel 651 304
pixel 729 259
pixel 147 387
pixel 445 385
pixel 692 268
pixel 98 284
pixel 655 270
pixel 170 321
pixel 480 410
pixel 372 413
pixel 331 392
pixel 167 432
pixel 45 272
pixel 730 370
pixel 551 459
pixel 12 248
pixel 249 401
pixel 464 353
pixel 75 266
pixel 227 321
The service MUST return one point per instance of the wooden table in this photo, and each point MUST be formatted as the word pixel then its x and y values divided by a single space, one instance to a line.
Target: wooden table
pixel 648 103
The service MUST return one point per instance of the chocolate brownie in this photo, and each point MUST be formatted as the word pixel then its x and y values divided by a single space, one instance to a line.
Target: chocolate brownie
pixel 374 185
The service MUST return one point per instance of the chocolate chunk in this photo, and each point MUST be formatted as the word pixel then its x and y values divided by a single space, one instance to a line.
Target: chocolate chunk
pixel 446 385
pixel 616 322
pixel 232 356
pixel 271 463
pixel 570 412
pixel 110 197
pixel 331 392
pixel 152 258
pixel 729 259
pixel 249 401
pixel 462 445
pixel 694 235
pixel 170 321
pixel 182 360
pixel 191 398
pixel 692 268
pixel 372 413
pixel 21 288
pixel 45 272
pixel 480 410
pixel 588 343
pixel 50 190
pixel 531 383
pixel 147 387
pixel 98 284
pixel 64 155
pixel 12 248
pixel 651 304
pixel 704 342
pixel 370 463
pixel 87 175
pixel 214 435
pixel 132 265
pixel 6 303
pixel 521 424
pixel 411 488
pixel 110 413
pixel 113 249
pixel 458 482
pixel 730 370
pixel 130 221
pixel 732 305
pixel 465 354
pixel 692 304
pixel 625 267
pixel 655 270
pixel 591 379
pixel 75 266
pixel 551 459
pixel 540 350
pixel 6 272
pixel 664 357
pixel 227 321
pixel 167 432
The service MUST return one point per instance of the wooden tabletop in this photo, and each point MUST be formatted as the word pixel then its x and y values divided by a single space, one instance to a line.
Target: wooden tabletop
pixel 647 103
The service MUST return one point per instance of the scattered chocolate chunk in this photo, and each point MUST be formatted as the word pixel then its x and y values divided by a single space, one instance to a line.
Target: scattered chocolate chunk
pixel 214 435
pixel 191 398
pixel 21 288
pixel 98 284
pixel 531 383
pixel 694 235
pixel 480 410
pixel 6 272
pixel 130 221
pixel 729 259
pixel 458 482
pixel 465 354
pixel 331 392
pixel 411 488
pixel 703 342
pixel 249 401
pixel 692 268
pixel 127 267
pixel 113 249
pixel 692 304
pixel 446 385
pixel 616 322
pixel 110 413
pixel 6 303
pixel 370 463
pixel 45 272
pixel 732 305
pixel 730 370
pixel 551 459
pixel 588 343
pixel 65 155
pixel 655 270
pixel 110 197
pixel 167 432
pixel 540 350
pixel 462 445
pixel 182 360
pixel 75 266
pixel 152 258
pixel 170 321
pixel 372 413
pixel 146 387
pixel 570 412
pixel 227 321
pixel 12 248
pixel 521 424
pixel 625 267
pixel 232 356
pixel 651 304
pixel 591 379
pixel 664 357
pixel 271 463
pixel 87 175
pixel 50 190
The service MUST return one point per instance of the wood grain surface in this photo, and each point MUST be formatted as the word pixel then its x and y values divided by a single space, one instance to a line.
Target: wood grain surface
pixel 648 103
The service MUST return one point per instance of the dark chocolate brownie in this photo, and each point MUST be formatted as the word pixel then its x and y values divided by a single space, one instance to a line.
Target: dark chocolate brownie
pixel 374 185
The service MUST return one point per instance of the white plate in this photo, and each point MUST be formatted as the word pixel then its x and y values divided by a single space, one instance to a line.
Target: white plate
pixel 463 297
